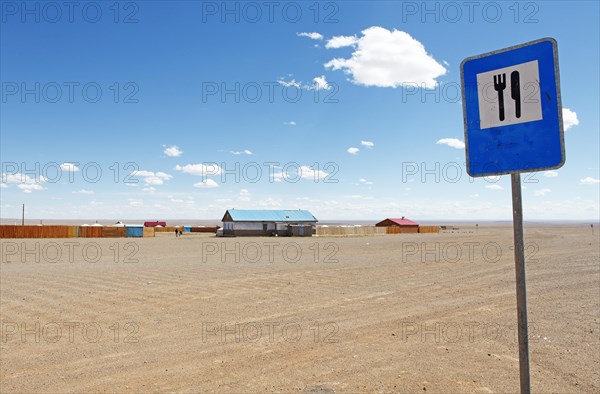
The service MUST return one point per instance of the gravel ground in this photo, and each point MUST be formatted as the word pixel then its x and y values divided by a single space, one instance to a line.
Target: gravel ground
pixel 410 313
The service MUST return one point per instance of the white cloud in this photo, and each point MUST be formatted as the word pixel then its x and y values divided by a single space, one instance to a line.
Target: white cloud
pixel 29 187
pixel 291 83
pixel 589 181
pixel 385 58
pixel 200 169
pixel 152 178
pixel 550 174
pixel 134 202
pixel 70 167
pixel 149 189
pixel 494 187
pixel 173 151
pixel 312 35
pixel 542 192
pixel 293 174
pixel 368 144
pixel 319 83
pixel 269 202
pixel 290 123
pixel 21 178
pixel 569 118
pixel 206 184
pixel 244 195
pixel 341 41
pixel 492 178
pixel 352 150
pixel 308 173
pixel 278 176
pixel 452 142
pixel 23 181
pixel 365 182
pixel 84 191
pixel 289 174
pixel 142 173
pixel 241 152
pixel 357 197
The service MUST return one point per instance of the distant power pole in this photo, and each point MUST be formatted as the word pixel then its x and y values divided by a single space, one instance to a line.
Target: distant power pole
pixel 23 216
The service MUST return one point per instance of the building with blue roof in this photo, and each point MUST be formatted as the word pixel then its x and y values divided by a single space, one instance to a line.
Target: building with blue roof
pixel 250 222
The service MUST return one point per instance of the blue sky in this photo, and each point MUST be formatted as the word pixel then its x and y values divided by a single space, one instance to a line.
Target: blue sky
pixel 350 109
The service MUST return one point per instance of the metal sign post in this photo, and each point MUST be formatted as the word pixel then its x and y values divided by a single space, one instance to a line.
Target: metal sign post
pixel 513 123
pixel 521 284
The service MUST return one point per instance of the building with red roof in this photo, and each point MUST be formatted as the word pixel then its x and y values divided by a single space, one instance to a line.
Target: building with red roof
pixel 403 224
pixel 155 223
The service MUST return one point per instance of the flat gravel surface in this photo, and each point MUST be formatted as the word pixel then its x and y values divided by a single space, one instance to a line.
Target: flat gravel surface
pixel 409 313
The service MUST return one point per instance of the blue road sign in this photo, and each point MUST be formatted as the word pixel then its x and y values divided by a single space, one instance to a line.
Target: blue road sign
pixel 512 110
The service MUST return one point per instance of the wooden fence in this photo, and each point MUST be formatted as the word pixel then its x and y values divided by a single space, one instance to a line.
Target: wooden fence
pixel 401 230
pixel 165 230
pixel 90 232
pixel 429 229
pixel 11 231
pixel 204 229
pixel 171 229
pixel 413 230
pixel 351 231
pixel 372 230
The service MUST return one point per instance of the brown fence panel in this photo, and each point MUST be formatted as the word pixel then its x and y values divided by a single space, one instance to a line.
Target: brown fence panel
pixel 114 232
pixel 34 231
pixel 401 230
pixel 164 230
pixel 429 229
pixel 8 232
pixel 90 232
pixel 204 229
pixel 351 231
pixel 148 232
pixel 54 231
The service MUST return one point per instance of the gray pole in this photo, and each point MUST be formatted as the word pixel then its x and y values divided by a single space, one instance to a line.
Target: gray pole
pixel 521 287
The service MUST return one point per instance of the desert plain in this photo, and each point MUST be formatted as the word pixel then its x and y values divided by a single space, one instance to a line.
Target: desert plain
pixel 395 313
